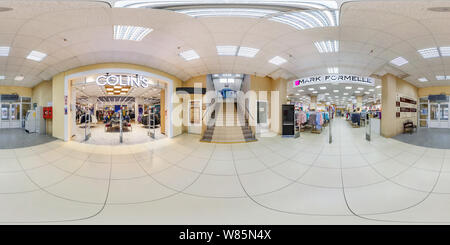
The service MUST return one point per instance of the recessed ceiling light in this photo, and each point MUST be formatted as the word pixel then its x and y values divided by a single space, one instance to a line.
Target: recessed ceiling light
pixel 357 92
pixel 228 12
pixel 189 55
pixel 19 78
pixel 367 92
pixel 371 90
pixel 327 46
pixel 302 20
pixel 440 77
pixel 323 88
pixel 314 92
pixel 445 51
pixel 429 53
pixel 300 90
pixel 227 50
pixel 4 51
pixel 348 87
pixel 345 93
pixel 327 93
pixel 336 91
pixel 399 61
pixel 333 70
pixel 109 89
pixel 247 52
pixel 379 86
pixel 360 88
pixel 130 33
pixel 310 89
pixel 277 60
pixel 423 79
pixel 297 94
pixel 117 87
pixel 36 56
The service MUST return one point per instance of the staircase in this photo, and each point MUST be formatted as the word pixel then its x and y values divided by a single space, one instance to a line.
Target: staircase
pixel 229 125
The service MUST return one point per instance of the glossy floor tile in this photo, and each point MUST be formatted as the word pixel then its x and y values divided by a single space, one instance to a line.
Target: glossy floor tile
pixel 275 180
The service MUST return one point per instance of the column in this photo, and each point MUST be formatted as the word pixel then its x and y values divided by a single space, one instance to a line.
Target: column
pixel 278 97
pixel 359 100
pixel 388 99
pixel 163 111
pixel 313 104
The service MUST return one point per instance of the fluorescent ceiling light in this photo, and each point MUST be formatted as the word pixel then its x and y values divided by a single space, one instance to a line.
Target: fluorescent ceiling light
pixel 277 60
pixel 348 87
pixel 357 92
pixel 379 86
pixel 19 78
pixel 300 90
pixel 345 93
pixel 336 91
pixel 445 51
pixel 189 55
pixel 443 77
pixel 399 61
pixel 2 77
pixel 247 52
pixel 131 33
pixel 329 46
pixel 309 19
pixel 429 53
pixel 227 50
pixel 109 89
pixel 371 90
pixel 333 70
pixel 4 51
pixel 314 92
pixel 36 56
pixel 360 88
pixel 228 12
pixel 310 89
pixel 117 87
pixel 327 93
pixel 367 92
pixel 323 88
pixel 423 79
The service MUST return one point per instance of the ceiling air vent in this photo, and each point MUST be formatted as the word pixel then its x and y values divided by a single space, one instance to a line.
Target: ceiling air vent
pixel 439 9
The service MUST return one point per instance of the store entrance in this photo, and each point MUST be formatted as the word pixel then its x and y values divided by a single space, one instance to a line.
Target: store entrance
pixel 118 114
pixel 439 115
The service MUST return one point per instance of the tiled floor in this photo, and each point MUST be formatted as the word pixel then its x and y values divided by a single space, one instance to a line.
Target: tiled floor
pixel 11 138
pixel 428 137
pixel 272 181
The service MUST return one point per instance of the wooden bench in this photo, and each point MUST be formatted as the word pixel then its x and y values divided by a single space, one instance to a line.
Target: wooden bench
pixel 409 127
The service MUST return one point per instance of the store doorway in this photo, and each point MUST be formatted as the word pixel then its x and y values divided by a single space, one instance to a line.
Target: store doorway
pixel 439 115
pixel 11 115
pixel 262 116
pixel 195 117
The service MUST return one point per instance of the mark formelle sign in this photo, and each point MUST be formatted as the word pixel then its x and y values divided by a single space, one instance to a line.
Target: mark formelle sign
pixel 334 78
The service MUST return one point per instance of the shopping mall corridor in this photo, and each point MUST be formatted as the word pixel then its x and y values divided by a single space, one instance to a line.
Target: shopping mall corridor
pixel 272 181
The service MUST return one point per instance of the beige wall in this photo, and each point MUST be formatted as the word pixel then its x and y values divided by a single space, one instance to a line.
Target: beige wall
pixel 433 90
pixel 42 95
pixel 194 80
pixel 21 91
pixel 58 94
pixel 391 86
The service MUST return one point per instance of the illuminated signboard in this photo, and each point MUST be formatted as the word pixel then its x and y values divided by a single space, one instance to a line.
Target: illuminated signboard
pixel 122 80
pixel 334 78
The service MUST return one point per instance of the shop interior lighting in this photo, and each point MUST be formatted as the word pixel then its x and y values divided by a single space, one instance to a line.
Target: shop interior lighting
pixel 36 56
pixel 336 91
pixel 371 90
pixel 357 92
pixel 379 86
pixel 327 93
pixel 109 89
pixel 323 88
pixel 399 61
pixel 333 70
pixel 440 78
pixel 4 51
pixel 131 33
pixel 345 93
pixel 329 46
pixel 227 50
pixel 300 90
pixel 247 52
pixel 314 92
pixel 227 12
pixel 117 87
pixel 19 78
pixel 310 89
pixel 348 88
pixel 367 92
pixel 429 53
pixel 360 88
pixel 309 19
pixel 277 60
pixel 423 79
pixel 189 55
pixel 445 51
